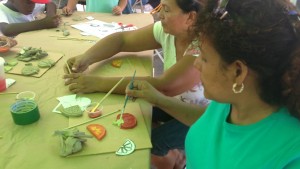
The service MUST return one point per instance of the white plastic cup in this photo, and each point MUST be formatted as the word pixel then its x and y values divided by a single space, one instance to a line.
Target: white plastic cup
pixel 27 95
pixel 2 75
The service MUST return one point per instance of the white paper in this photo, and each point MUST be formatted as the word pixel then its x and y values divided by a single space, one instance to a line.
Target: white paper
pixel 101 29
pixel 72 100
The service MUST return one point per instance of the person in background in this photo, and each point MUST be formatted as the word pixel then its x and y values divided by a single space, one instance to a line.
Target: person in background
pixel 175 36
pixel 250 69
pixel 128 9
pixel 154 3
pixel 105 6
pixel 17 16
pixel 296 3
pixel 60 4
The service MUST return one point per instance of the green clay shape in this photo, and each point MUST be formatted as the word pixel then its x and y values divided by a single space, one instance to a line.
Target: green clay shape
pixel 30 70
pixel 46 63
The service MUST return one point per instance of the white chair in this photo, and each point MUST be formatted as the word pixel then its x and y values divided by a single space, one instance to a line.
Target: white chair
pixel 83 3
pixel 136 4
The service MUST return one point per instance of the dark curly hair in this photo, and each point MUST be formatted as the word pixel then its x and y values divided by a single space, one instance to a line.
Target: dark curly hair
pixel 190 5
pixel 264 34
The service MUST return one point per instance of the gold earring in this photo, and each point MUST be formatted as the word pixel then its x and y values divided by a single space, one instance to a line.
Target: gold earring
pixel 237 91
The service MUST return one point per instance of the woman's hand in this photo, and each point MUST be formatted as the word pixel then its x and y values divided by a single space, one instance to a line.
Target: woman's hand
pixel 77 64
pixel 82 83
pixel 144 90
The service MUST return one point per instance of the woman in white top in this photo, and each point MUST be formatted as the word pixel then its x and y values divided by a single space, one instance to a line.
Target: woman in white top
pixel 174 35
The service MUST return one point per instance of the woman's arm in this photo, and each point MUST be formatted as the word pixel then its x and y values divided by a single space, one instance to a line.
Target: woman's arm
pixel 117 10
pixel 128 41
pixel 184 112
pixel 179 78
pixel 122 4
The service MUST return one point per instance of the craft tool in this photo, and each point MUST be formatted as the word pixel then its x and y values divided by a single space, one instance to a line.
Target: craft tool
pixel 107 94
pixel 93 119
pixel 120 120
pixel 123 27
pixel 127 26
pixel 74 39
pixel 58 5
pixel 69 70
pixel 9 93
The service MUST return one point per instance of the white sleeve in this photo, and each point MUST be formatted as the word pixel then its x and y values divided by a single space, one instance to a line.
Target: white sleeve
pixel 38 9
pixel 3 15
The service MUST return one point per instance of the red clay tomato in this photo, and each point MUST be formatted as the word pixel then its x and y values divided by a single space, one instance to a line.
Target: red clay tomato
pixel 129 121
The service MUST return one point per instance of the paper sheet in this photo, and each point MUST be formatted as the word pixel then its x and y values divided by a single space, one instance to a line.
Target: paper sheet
pixel 100 29
pixel 72 100
pixel 115 136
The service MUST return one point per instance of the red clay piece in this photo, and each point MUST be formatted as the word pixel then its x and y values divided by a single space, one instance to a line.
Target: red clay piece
pixel 129 121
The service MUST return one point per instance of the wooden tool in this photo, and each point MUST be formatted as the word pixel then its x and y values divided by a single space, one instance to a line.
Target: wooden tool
pixel 107 94
pixel 120 120
pixel 92 119
pixel 69 70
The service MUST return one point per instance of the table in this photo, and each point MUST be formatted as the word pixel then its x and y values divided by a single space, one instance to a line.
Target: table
pixel 27 147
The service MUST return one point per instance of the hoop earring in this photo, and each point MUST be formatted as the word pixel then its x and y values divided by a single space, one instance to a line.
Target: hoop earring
pixel 237 91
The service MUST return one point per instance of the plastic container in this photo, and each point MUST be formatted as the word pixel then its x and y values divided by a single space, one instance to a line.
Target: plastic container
pixel 96 113
pixel 2 75
pixel 4 46
pixel 27 95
